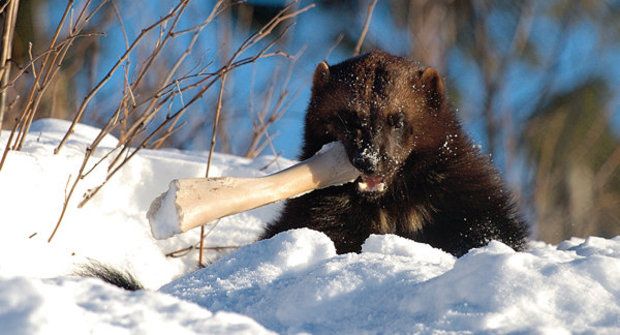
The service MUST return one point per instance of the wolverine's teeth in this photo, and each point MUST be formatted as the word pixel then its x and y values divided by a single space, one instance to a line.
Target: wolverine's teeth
pixel 364 187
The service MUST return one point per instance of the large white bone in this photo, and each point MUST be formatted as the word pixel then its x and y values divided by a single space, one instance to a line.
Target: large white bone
pixel 190 203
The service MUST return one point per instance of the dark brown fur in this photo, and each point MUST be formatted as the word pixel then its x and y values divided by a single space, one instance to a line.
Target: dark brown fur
pixel 395 123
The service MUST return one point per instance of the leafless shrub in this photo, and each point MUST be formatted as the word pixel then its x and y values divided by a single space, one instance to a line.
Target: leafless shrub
pixel 145 128
pixel 143 114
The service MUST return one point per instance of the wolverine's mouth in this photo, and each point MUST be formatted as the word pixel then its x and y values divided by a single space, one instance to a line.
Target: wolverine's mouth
pixel 370 184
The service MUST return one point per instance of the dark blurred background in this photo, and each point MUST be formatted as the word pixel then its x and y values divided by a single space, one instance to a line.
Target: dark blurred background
pixel 536 83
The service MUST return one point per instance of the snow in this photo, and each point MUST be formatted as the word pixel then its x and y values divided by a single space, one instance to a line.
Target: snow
pixel 398 286
pixel 292 283
pixel 83 306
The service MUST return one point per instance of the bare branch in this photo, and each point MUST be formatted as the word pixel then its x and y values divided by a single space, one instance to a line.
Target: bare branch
pixel 360 41
pixel 7 43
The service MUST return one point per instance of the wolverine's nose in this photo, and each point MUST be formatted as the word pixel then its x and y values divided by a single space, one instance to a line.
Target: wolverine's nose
pixel 366 164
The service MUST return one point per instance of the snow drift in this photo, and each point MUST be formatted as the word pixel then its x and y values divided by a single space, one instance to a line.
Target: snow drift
pixel 296 283
pixel 291 283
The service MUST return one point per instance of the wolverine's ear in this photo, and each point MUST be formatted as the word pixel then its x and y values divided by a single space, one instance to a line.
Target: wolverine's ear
pixel 433 87
pixel 321 75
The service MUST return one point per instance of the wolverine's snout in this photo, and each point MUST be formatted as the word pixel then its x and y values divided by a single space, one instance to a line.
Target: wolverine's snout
pixel 371 181
pixel 365 164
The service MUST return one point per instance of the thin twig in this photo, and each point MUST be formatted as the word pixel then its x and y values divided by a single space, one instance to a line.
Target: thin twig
pixel 7 43
pixel 4 6
pixel 334 46
pixel 360 41
pixel 68 197
pixel 184 251
pixel 216 122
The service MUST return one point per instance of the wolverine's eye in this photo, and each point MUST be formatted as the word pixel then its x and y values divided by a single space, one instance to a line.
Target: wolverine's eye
pixel 396 120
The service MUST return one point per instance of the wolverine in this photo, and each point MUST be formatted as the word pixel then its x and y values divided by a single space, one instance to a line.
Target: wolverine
pixel 421 176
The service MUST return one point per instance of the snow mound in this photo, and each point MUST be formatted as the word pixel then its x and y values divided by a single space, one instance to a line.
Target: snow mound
pixel 400 286
pixel 87 306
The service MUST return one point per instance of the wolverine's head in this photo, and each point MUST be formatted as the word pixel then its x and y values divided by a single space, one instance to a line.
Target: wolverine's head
pixel 383 108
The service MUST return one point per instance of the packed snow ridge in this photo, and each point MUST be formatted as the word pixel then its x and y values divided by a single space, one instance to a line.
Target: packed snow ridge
pixel 292 283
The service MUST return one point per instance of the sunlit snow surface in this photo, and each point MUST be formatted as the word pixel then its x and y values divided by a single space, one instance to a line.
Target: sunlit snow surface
pixel 292 283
